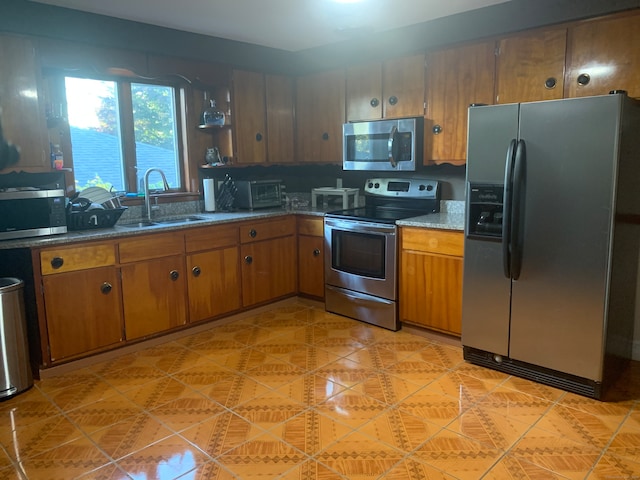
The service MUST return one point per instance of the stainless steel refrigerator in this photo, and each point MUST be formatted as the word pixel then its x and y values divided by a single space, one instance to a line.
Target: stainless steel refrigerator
pixel 551 239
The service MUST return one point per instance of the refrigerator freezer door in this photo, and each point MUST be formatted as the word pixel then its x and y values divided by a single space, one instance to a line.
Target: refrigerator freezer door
pixel 558 303
pixel 486 291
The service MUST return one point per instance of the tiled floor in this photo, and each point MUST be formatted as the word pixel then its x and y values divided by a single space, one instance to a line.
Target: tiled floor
pixel 297 393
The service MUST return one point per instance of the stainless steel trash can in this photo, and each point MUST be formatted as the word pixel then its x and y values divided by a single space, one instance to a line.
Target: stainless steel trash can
pixel 15 371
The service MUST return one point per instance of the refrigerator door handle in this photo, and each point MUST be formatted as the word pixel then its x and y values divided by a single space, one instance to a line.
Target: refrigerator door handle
pixel 506 209
pixel 517 204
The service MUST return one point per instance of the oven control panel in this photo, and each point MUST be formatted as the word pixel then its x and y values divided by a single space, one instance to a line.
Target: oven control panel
pixel 403 187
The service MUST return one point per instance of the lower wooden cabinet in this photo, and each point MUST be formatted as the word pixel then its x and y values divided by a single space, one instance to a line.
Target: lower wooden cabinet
pixel 153 296
pixel 267 258
pixel 431 279
pixel 82 303
pixel 311 256
pixel 84 311
pixel 213 271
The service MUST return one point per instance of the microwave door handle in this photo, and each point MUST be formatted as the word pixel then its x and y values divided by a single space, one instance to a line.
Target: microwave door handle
pixel 390 145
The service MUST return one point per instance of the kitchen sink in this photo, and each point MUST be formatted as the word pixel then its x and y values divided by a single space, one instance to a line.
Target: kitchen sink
pixel 172 221
pixel 191 218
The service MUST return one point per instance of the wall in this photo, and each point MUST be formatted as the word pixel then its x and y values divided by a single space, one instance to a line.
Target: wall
pixel 22 16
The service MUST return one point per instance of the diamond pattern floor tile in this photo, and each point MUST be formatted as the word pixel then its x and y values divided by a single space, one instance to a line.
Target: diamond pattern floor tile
pixel 296 393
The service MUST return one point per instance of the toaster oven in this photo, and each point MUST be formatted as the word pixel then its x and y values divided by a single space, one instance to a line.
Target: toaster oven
pixel 252 194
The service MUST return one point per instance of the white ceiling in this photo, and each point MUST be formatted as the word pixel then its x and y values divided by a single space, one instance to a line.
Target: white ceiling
pixel 291 25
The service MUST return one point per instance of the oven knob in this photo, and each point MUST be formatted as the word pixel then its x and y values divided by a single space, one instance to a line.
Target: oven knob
pixel 421 187
pixel 377 185
pixel 429 188
pixel 370 185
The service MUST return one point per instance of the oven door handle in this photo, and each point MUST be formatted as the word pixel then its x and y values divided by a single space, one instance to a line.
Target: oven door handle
pixel 391 146
pixel 360 227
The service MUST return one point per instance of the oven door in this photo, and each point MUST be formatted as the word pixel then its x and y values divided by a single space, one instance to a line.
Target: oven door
pixel 361 256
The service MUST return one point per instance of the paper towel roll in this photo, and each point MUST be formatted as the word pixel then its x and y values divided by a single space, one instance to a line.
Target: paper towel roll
pixel 208 186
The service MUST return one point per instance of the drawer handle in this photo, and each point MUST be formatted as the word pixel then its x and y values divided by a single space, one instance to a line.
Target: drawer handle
pixel 174 275
pixel 248 259
pixel 196 271
pixel 253 233
pixel 106 288
pixel 316 252
pixel 57 262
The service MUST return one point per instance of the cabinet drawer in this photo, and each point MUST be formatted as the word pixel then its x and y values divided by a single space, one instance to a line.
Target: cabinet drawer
pixel 313 226
pixel 79 257
pixel 209 238
pixel 151 246
pixel 444 242
pixel 278 227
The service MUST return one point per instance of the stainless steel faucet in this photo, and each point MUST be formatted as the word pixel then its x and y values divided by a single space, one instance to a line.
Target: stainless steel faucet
pixel 147 199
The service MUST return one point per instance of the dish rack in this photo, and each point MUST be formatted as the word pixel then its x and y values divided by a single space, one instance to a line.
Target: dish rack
pixel 94 218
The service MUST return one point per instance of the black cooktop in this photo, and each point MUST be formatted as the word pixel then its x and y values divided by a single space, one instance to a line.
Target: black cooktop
pixel 390 199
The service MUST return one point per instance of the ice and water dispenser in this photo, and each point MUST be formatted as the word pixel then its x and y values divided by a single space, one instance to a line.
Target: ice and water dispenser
pixel 485 211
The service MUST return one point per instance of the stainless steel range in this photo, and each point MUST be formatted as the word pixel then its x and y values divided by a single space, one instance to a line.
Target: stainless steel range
pixel 361 264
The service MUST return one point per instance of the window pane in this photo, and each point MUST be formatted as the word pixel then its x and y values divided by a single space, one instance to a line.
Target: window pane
pixel 154 115
pixel 95 133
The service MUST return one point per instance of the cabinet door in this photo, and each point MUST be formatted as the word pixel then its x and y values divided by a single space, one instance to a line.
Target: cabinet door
pixel 83 311
pixel 249 117
pixel 403 87
pixel 280 119
pixel 311 265
pixel 364 92
pixel 320 104
pixel 268 270
pixel 22 109
pixel 530 67
pixel 214 283
pixel 153 296
pixel 456 77
pixel 603 55
pixel 431 291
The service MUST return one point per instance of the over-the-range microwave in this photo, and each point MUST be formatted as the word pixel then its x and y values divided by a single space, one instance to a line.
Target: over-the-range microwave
pixel 383 145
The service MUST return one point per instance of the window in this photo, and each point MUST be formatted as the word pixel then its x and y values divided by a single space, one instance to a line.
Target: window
pixel 119 129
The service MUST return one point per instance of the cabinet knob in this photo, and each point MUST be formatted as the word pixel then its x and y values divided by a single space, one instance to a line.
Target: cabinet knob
pixel 253 233
pixel 57 262
pixel 393 100
pixel 325 136
pixel 550 83
pixel 437 129
pixel 584 79
pixel 258 137
pixel 248 259
pixel 316 252
pixel 196 271
pixel 374 102
pixel 173 274
pixel 106 288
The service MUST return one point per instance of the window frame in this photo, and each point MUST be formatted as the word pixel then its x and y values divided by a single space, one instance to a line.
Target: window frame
pixel 127 131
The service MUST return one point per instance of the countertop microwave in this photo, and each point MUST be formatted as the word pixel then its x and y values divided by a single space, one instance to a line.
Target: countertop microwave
pixel 31 212
pixel 383 145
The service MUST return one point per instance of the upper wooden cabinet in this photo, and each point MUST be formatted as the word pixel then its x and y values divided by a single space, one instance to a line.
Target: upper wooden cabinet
pixel 248 97
pixel 392 89
pixel 456 78
pixel 280 118
pixel 320 105
pixel 603 55
pixel 21 105
pixel 530 66
pixel 263 117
